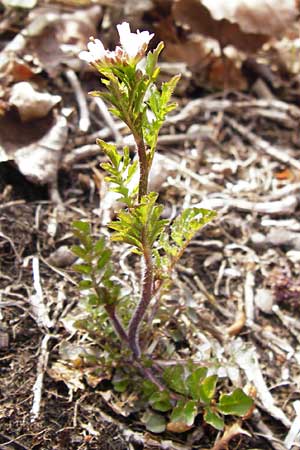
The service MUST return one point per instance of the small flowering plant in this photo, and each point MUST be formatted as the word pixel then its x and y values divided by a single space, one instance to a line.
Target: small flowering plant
pixel 176 395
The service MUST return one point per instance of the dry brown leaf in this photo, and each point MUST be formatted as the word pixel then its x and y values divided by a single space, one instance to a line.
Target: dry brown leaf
pixel 53 37
pixel 58 36
pixel 194 14
pixel 178 427
pixel 238 324
pixel 253 16
pixel 245 24
pixel 30 103
pixel 230 432
pixel 35 149
pixel 190 51
pixel 71 376
pixel 226 68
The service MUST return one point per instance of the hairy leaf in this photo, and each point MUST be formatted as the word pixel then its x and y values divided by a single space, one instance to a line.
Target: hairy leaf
pixel 158 103
pixel 188 223
pixel 120 172
pixel 141 225
pixel 183 229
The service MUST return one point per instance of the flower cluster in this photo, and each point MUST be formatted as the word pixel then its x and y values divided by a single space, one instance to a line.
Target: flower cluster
pixel 132 50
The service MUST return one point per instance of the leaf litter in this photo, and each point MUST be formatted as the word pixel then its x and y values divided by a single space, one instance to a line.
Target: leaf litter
pixel 236 294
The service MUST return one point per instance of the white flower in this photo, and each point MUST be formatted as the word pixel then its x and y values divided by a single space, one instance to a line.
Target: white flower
pixel 134 44
pixel 96 51
pixel 133 48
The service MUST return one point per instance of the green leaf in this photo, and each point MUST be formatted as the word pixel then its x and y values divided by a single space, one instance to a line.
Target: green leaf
pixel 104 258
pixel 94 300
pixel 111 151
pixel 213 419
pixel 80 252
pixel 85 284
pixel 174 377
pixel 155 423
pixel 158 103
pixel 151 61
pixel 207 389
pixel 160 401
pixel 183 230
pixel 141 225
pixel 85 269
pixel 193 382
pixel 149 388
pixel 121 171
pixel 99 246
pixel 185 412
pixel 120 382
pixel 237 403
pixel 188 223
pixel 82 226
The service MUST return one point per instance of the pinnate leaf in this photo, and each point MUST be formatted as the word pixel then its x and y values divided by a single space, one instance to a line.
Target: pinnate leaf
pixel 141 225
pixel 188 223
pixel 120 172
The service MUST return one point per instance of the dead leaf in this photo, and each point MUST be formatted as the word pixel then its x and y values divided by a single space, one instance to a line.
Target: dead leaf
pixel 238 324
pixel 57 36
pixel 252 16
pixel 241 23
pixel 194 14
pixel 191 51
pixel 30 103
pixel 226 68
pixel 230 432
pixel 286 174
pixel 68 374
pixel 62 257
pixel 35 149
pixel 178 427
pixel 53 37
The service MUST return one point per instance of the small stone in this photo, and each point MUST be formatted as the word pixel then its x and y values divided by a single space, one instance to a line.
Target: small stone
pixel 264 300
pixel 62 257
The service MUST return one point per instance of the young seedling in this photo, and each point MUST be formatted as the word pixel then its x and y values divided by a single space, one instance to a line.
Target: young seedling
pixel 135 97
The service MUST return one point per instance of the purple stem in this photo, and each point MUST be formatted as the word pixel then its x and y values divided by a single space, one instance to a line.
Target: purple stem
pixel 140 311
